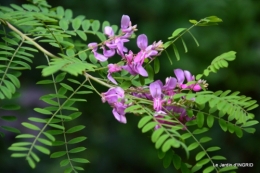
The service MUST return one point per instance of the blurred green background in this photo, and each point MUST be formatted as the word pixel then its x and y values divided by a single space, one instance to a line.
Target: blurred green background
pixel 117 148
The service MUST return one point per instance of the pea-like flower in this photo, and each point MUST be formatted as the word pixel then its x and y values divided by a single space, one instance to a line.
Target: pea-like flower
pixel 115 97
pixel 98 56
pixel 156 92
pixel 181 75
pixel 147 51
pixel 134 64
pixel 112 68
pixel 126 26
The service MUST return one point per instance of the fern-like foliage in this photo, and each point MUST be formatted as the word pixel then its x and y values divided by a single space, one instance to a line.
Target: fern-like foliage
pixel 39 24
pixel 61 111
pixel 15 55
pixel 219 62
pixel 178 34
pixel 229 109
pixel 172 134
pixel 28 27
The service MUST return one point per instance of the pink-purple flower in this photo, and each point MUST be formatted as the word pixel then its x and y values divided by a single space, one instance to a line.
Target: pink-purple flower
pixel 147 51
pixel 126 26
pixel 161 95
pixel 115 97
pixel 181 75
pixel 134 64
pixel 112 68
pixel 156 92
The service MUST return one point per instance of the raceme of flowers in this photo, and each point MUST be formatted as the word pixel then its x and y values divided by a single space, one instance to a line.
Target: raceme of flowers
pixel 161 95
pixel 115 44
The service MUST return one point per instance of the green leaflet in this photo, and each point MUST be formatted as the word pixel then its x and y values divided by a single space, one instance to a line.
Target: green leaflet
pixel 64 162
pixel 10 129
pixel 95 25
pixel 58 154
pixel 77 140
pixel 218 158
pixel 80 160
pixel 156 65
pixel 75 129
pixel 193 146
pixel 156 134
pixel 161 140
pixel 10 107
pixel 85 25
pixel 199 131
pixel 200 155
pixel 82 35
pixel 203 162
pixel 136 109
pixel 49 136
pixel 177 32
pixel 167 160
pixel 143 121
pixel 170 143
pixel 42 111
pixel 196 167
pixel 77 150
pixel 57 27
pixel 71 65
pixel 200 119
pixel 210 120
pixel 148 126
pixel 176 52
pixel 176 161
pixel 31 162
pixel 30 126
pixel 220 61
pixel 45 141
pixel 208 169
pixel 42 149
pixel 8 118
pixel 76 23
pixel 205 139
pixel 213 148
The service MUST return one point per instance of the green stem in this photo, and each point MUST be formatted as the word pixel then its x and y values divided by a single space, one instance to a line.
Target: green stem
pixel 97 80
pixel 29 39
pixel 49 121
pixel 62 120
pixel 10 62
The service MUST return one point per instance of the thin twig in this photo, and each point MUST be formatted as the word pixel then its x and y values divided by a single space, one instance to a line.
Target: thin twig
pixel 29 39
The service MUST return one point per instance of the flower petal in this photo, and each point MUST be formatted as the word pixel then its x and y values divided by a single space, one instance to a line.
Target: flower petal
pixel 109 31
pixel 93 46
pixel 108 53
pixel 142 41
pixel 100 57
pixel 119 113
pixel 125 20
pixel 156 89
pixel 141 71
pixel 170 83
pixel 180 75
pixel 129 69
pixel 188 76
pixel 109 76
pixel 196 88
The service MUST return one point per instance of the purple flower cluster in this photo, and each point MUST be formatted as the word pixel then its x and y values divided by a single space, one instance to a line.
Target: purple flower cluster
pixel 115 97
pixel 115 44
pixel 161 95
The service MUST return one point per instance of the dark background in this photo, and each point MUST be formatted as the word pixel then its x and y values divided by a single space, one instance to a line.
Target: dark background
pixel 114 147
